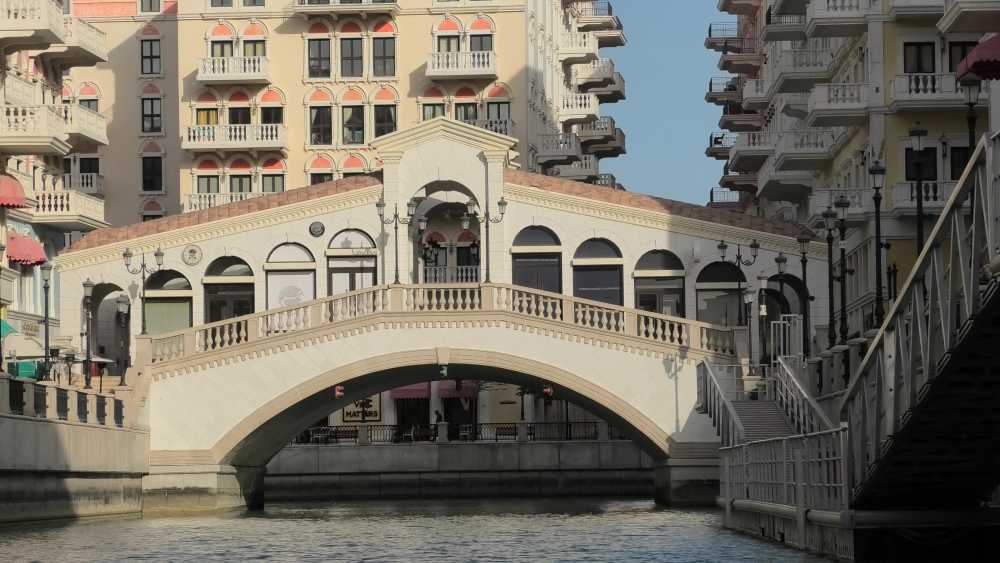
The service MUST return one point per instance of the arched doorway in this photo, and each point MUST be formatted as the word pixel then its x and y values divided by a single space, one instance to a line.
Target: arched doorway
pixel 291 275
pixel 350 262
pixel 536 259
pixel 449 249
pixel 229 290
pixel 719 289
pixel 781 323
pixel 111 322
pixel 168 302
pixel 659 283
pixel 597 271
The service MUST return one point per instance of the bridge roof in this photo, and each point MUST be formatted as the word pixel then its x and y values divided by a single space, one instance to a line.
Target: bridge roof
pixel 111 235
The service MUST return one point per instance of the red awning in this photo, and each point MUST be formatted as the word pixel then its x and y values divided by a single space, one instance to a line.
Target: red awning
pixel 11 192
pixel 24 250
pixel 983 61
pixel 446 390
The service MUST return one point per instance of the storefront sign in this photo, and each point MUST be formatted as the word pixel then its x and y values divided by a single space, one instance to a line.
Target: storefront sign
pixel 372 410
pixel 30 328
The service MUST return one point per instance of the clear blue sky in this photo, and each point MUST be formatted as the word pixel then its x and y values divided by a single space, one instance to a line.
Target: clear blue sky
pixel 665 116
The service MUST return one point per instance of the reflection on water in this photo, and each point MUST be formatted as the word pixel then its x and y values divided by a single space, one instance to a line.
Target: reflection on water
pixel 549 530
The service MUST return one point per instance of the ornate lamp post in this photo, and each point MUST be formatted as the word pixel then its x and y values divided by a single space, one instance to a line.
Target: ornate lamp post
pixel 842 204
pixel 46 270
pixel 123 305
pixel 877 172
pixel 828 218
pixel 917 143
pixel 971 87
pixel 396 221
pixel 806 297
pixel 740 263
pixel 88 293
pixel 488 219
pixel 144 271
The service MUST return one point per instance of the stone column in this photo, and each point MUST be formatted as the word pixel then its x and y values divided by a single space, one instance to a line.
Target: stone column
pixel 91 407
pixel 51 400
pixel 435 402
pixel 442 432
pixel 29 399
pixel 661 478
pixel 4 393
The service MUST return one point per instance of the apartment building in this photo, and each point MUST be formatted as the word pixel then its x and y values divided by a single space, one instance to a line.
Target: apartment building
pixel 213 101
pixel 818 94
pixel 41 209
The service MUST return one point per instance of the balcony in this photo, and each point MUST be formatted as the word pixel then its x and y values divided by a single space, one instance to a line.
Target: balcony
pixel 614 92
pixel 582 170
pixel 724 90
pixel 235 137
pixel 784 27
pixel 798 70
pixel 82 45
pixel 783 185
pixel 809 149
pixel 558 148
pixel 916 9
pixel 234 70
pixel 930 91
pixel 970 16
pixel 577 107
pixel 755 94
pixel 500 126
pixel 720 145
pixel 735 118
pixel 739 7
pixel 87 183
pixel 840 18
pixel 69 210
pixel 741 56
pixel 751 150
pixel 742 182
pixel 838 105
pixel 18 91
pixel 598 131
pixel 462 65
pixel 578 47
pixel 903 200
pixel 721 34
pixel 86 128
pixel 614 146
pixel 861 205
pixel 31 24
pixel 596 15
pixel 198 202
pixel 345 7
pixel 38 130
pixel 595 73
pixel 608 181
pixel 789 6
pixel 719 198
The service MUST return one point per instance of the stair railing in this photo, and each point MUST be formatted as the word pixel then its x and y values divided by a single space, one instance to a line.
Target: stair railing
pixel 715 396
pixel 798 405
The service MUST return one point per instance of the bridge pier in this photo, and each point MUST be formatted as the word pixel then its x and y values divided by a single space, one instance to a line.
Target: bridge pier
pixel 202 488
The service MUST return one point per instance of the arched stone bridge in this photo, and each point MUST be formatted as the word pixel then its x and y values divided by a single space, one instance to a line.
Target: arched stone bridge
pixel 223 398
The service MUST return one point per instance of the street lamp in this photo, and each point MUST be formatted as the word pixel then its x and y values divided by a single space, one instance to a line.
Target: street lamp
pixel 804 241
pixel 144 271
pixel 971 86
pixel 828 218
pixel 740 262
pixel 488 219
pixel 877 172
pixel 123 304
pixel 842 204
pixel 46 270
pixel 88 294
pixel 917 144
pixel 396 221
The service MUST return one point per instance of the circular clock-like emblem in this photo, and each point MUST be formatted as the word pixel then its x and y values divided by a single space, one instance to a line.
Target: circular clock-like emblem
pixel 191 255
pixel 317 229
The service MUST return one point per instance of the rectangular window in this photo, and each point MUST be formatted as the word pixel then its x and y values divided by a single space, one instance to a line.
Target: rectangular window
pixel 959 158
pixel 498 111
pixel 384 62
pixel 321 126
pixel 254 49
pixel 433 110
pixel 958 50
pixel 239 116
pixel 222 49
pixel 448 44
pixel 354 125
pixel 208 184
pixel 90 165
pixel 152 120
pixel 272 183
pixel 271 115
pixel 239 184
pixel 351 58
pixel 468 113
pixel 149 6
pixel 319 58
pixel 481 43
pixel 152 174
pixel 150 56
pixel 922 165
pixel 206 116
pixel 385 120
pixel 253 3
pixel 320 177
pixel 221 3
pixel 89 104
pixel 918 58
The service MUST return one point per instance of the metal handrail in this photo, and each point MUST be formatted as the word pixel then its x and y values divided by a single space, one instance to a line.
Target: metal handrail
pixel 712 401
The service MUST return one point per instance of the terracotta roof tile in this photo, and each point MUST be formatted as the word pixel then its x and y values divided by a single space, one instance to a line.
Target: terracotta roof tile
pixel 651 203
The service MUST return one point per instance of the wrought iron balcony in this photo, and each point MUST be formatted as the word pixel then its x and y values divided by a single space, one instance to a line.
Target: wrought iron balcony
pixel 235 137
pixel 68 209
pixel 595 15
pixel 720 34
pixel 463 65
pixel 720 144
pixel 741 56
pixel 735 118
pixel 341 7
pixel 725 90
pixel 235 70
pixel 197 202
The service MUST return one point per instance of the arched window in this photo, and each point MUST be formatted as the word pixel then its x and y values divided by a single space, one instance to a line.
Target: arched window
pixel 168 302
pixel 432 103
pixel 536 260
pixel 597 271
pixel 291 275
pixel 350 262
pixel 720 294
pixel 659 283
pixel 320 169
pixel 229 291
pixel 385 103
pixel 352 117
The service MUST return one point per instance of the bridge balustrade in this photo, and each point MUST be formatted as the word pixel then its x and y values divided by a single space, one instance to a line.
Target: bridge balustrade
pixel 58 402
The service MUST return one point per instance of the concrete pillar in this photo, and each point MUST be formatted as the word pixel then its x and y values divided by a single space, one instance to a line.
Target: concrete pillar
pixel 435 402
pixel 363 438
pixel 29 399
pixel 661 480
pixel 522 431
pixel 71 402
pixel 51 400
pixel 202 488
pixel 442 432
pixel 4 393
pixel 91 407
pixel 603 433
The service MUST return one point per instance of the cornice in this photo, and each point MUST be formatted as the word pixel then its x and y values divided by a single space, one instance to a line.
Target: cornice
pixel 244 14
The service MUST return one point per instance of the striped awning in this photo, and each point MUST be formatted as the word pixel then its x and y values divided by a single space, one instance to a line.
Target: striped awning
pixel 11 192
pixel 983 61
pixel 24 250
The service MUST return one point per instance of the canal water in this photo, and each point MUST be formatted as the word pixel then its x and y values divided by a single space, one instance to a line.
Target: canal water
pixel 546 530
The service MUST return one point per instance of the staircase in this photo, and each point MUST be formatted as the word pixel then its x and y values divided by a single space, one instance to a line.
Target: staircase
pixel 762 420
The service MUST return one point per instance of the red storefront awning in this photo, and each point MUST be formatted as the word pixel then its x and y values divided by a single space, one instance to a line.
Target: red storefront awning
pixel 11 192
pixel 446 390
pixel 24 250
pixel 983 61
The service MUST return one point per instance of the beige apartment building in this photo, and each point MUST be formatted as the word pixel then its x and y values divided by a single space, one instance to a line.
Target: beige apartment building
pixel 214 101
pixel 826 104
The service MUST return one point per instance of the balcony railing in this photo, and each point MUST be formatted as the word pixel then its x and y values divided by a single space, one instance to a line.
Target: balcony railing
pixel 42 18
pixel 86 37
pixel 718 195
pixel 838 104
pixel 597 130
pixel 501 126
pixel 936 194
pixel 451 274
pixel 465 64
pixel 929 88
pixel 197 202
pixel 86 182
pixel 18 91
pixel 235 137
pixel 234 69
pixel 578 45
pixel 594 8
pixel 345 6
pixel 596 71
pixel 585 168
pixel 839 17
pixel 85 124
pixel 606 180
pixel 558 146
pixel 70 206
pixel 35 129
pixel 578 106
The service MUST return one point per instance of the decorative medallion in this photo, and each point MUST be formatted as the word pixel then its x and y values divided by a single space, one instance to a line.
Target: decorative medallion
pixel 191 255
pixel 317 229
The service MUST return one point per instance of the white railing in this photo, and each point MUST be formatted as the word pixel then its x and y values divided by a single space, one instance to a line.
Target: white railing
pixel 348 5
pixel 798 405
pixel 451 274
pixel 197 202
pixel 264 135
pixel 859 201
pixel 62 203
pixel 803 60
pixel 755 140
pixel 501 126
pixel 601 127
pixel 936 194
pixel 32 121
pixel 233 68
pixel 715 398
pixel 18 91
pixel 559 144
pixel 599 69
pixel 585 167
pixel 85 122
pixel 841 9
pixel 838 95
pixel 85 36
pixel 30 15
pixel 579 103
pixel 930 87
pixel 937 307
pixel 647 328
pixel 463 63
pixel 578 41
pixel 808 140
pixel 86 182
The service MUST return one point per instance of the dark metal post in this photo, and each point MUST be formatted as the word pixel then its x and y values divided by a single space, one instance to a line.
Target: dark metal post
pixel 143 270
pixel 877 172
pixel 46 277
pixel 828 217
pixel 395 232
pixel 920 206
pixel 88 293
pixel 842 227
pixel 806 298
